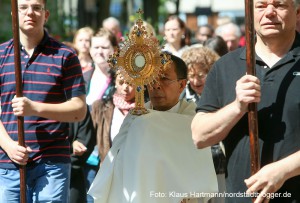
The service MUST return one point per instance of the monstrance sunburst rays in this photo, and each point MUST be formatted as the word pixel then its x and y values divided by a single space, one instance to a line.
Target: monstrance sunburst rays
pixel 140 61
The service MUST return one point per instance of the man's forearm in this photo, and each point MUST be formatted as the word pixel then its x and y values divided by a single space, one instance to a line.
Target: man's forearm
pixel 292 165
pixel 211 128
pixel 73 110
pixel 4 137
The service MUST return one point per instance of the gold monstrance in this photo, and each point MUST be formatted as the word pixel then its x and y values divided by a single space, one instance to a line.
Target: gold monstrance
pixel 140 61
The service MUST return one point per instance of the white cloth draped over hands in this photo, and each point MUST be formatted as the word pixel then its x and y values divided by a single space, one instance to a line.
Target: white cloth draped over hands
pixel 153 159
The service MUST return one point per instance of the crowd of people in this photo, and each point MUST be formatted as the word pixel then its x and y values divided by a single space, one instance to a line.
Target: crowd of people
pixel 82 145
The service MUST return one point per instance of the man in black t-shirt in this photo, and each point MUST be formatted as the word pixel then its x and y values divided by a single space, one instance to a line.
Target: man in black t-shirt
pixel 222 110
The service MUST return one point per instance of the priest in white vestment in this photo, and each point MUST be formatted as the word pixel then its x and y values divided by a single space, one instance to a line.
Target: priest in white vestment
pixel 153 158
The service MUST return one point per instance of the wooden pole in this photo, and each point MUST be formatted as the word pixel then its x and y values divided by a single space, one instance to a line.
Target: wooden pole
pixel 252 114
pixel 18 76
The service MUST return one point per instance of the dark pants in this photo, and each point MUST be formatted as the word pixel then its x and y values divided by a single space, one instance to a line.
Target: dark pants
pixel 77 186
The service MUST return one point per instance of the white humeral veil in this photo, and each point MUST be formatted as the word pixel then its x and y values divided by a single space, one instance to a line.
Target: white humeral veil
pixel 153 159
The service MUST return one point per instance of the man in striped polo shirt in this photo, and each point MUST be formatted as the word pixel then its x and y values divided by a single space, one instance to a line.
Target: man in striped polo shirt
pixel 54 94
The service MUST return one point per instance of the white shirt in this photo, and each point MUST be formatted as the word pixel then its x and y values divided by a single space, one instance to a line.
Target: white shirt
pixel 99 83
pixel 116 123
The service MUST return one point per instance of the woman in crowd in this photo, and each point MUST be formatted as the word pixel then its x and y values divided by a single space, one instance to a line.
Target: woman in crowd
pixel 199 61
pixel 174 30
pixel 108 114
pixel 99 85
pixel 103 44
pixel 82 43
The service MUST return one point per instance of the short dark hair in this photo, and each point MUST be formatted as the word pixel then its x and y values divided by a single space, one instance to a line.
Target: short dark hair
pixel 217 44
pixel 212 30
pixel 180 67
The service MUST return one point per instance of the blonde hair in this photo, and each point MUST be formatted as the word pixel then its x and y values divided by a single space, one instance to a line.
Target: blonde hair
pixel 87 30
pixel 200 55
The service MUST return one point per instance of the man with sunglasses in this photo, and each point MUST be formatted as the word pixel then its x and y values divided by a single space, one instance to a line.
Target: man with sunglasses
pixel 54 94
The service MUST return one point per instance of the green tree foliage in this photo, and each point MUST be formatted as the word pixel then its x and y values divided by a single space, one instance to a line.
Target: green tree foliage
pixel 5 21
pixel 62 26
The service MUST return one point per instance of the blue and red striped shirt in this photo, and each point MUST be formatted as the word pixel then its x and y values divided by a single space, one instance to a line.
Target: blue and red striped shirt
pixel 51 75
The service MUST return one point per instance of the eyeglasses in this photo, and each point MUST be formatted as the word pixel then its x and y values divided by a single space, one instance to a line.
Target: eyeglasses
pixel 167 81
pixel 23 9
pixel 199 76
